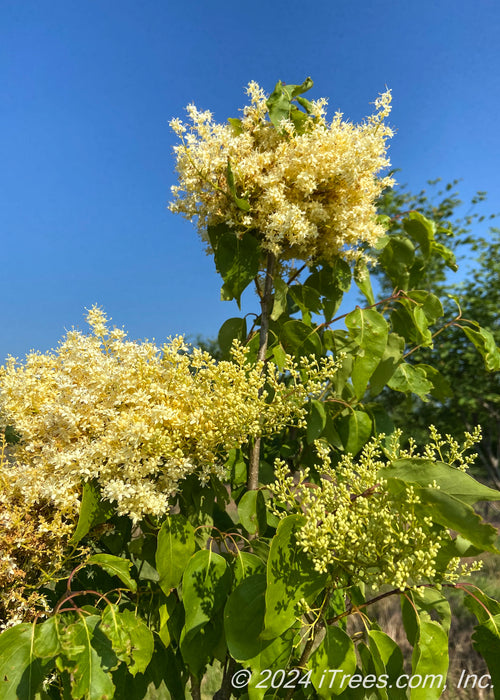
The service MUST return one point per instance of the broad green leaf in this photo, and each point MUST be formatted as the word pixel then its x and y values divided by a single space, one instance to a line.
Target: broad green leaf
pixel 484 342
pixel 93 511
pixel 397 259
pixel 388 364
pixel 429 303
pixel 450 480
pixel 299 339
pixel 428 605
pixel 486 641
pixel 47 641
pixel 279 304
pixel 290 577
pixel 114 566
pixel 279 101
pixel 421 229
pixel 131 638
pixel 307 298
pixel 335 653
pixel 176 545
pixel 441 388
pixel 457 515
pixel 246 565
pixel 410 380
pixel 88 656
pixel 369 329
pixel 244 618
pixel 198 646
pixel 354 430
pixel 232 329
pixel 236 259
pixel 205 585
pixel 388 660
pixel 21 673
pixel 253 512
pixel 430 661
pixel 483 607
pixel 315 420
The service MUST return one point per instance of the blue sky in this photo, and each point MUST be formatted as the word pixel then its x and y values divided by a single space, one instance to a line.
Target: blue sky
pixel 88 89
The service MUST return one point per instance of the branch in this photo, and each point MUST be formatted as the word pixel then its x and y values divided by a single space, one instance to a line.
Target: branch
pixel 265 305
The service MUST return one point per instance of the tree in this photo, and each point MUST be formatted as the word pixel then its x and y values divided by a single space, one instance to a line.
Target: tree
pixel 236 513
pixel 469 395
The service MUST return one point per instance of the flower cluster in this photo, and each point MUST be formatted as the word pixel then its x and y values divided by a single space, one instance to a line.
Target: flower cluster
pixel 137 418
pixel 309 195
pixel 33 539
pixel 357 530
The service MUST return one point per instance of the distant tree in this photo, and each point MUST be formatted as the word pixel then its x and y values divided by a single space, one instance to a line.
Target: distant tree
pixel 471 393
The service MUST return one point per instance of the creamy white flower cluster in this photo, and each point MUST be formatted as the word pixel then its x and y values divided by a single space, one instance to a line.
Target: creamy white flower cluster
pixel 139 418
pixel 309 195
pixel 357 530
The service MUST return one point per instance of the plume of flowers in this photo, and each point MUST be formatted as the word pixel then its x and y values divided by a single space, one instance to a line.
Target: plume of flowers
pixel 306 193
pixel 137 418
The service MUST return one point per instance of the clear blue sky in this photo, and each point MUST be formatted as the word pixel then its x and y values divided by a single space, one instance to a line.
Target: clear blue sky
pixel 86 158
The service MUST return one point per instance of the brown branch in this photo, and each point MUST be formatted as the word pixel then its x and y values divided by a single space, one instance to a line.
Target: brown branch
pixel 265 305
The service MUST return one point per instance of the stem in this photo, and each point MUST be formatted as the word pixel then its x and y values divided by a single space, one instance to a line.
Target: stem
pixel 265 305
pixel 195 687
pixel 306 653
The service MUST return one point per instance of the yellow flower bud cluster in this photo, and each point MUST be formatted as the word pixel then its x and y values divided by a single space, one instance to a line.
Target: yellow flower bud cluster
pixel 309 195
pixel 357 530
pixel 137 418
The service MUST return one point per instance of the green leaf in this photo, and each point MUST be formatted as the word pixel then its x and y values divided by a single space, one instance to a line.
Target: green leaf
pixel 354 430
pixel 236 125
pixel 93 511
pixel 114 566
pixel 279 101
pixel 244 618
pixel 457 515
pixel 131 638
pixel 369 329
pixel 88 656
pixel 430 661
pixel 176 546
pixel 315 420
pixel 21 673
pixel 198 646
pixel 484 342
pixel 246 565
pixel 397 259
pixel 486 641
pixel 290 577
pixel 236 259
pixel 450 480
pixel 241 203
pixel 253 512
pixel 388 661
pixel 336 652
pixel 299 339
pixel 205 586
pixel 279 304
pixel 421 229
pixel 363 282
pixel 47 642
pixel 388 364
pixel 483 607
pixel 410 380
pixel 232 329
